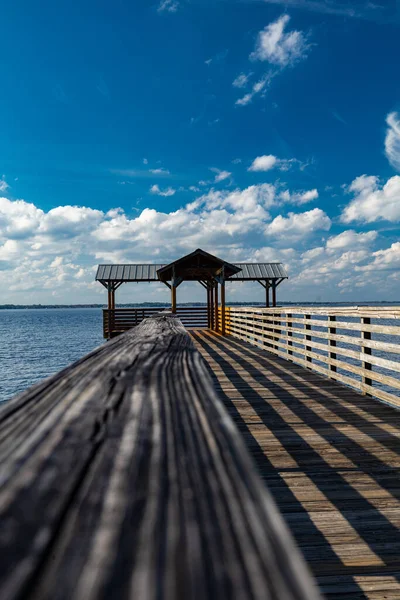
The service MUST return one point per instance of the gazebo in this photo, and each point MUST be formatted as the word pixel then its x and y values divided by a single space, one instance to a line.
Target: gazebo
pixel 210 271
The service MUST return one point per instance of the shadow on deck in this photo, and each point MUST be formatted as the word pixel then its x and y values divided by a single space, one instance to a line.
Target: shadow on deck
pixel 330 457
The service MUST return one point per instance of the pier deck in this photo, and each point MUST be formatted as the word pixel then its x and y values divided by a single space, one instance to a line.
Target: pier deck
pixel 329 456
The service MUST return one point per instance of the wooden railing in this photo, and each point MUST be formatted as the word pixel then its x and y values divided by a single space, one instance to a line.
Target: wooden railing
pixel 118 320
pixel 358 346
pixel 124 477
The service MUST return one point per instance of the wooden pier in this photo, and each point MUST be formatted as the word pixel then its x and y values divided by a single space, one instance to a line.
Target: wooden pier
pixel 329 456
pixel 253 457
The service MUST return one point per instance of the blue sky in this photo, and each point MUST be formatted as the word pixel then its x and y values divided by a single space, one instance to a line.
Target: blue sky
pixel 258 130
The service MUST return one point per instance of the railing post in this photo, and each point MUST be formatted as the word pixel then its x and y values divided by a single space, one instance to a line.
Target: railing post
pixel 332 344
pixel 307 327
pixel 277 332
pixel 289 334
pixel 216 308
pixel 366 366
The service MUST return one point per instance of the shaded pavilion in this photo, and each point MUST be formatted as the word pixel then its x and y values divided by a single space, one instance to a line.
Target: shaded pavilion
pixel 210 271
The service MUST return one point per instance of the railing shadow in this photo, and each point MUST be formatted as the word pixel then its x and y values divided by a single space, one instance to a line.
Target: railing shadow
pixel 348 500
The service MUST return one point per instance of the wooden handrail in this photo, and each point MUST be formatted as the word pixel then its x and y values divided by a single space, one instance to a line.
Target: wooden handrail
pixel 123 476
pixel 339 342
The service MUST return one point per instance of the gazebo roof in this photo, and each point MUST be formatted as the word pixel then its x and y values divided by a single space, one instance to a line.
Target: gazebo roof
pixel 197 266
pixel 125 273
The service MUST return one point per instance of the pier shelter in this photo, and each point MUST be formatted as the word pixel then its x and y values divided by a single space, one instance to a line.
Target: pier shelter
pixel 210 271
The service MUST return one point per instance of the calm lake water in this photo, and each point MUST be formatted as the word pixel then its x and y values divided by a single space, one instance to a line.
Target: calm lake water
pixel 36 343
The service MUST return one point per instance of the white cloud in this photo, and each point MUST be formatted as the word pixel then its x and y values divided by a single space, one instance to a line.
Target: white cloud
pixel 3 185
pixel 42 253
pixel 373 202
pixel 299 224
pixel 168 6
pixel 392 140
pixel 155 189
pixel 263 163
pixel 246 99
pixel 388 259
pixel 241 80
pixel 220 175
pixel 280 48
pixel 350 239
pixel 299 198
pixel 145 161
pixel 258 87
pixel 269 161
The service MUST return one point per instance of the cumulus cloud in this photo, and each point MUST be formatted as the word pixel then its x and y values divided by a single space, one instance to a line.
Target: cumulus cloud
pixel 299 224
pixel 3 185
pixel 280 48
pixel 392 140
pixel 263 163
pixel 55 251
pixel 269 161
pixel 299 198
pixel 372 201
pixel 155 189
pixel 350 239
pixel 388 259
pixel 168 6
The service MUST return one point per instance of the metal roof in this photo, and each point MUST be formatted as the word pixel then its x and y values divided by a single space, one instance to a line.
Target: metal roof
pixel 254 271
pixel 196 266
pixel 127 272
pixel 146 272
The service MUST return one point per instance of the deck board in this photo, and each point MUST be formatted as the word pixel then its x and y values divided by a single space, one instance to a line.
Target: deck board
pixel 330 457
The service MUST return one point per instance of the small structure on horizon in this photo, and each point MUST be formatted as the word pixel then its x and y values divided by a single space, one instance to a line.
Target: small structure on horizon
pixel 209 270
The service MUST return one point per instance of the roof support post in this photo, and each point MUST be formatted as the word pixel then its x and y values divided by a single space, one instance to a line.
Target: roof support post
pixel 175 282
pixel 209 306
pixel 110 294
pixel 212 309
pixel 222 282
pixel 223 307
pixel 274 286
pixel 265 285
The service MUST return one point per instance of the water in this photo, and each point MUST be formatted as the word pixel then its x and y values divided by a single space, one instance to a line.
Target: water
pixel 35 343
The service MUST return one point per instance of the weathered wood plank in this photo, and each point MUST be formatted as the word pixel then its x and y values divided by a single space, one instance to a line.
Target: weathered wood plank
pixel 124 477
pixel 329 456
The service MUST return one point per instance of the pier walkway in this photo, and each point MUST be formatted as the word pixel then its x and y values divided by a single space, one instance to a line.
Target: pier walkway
pixel 330 457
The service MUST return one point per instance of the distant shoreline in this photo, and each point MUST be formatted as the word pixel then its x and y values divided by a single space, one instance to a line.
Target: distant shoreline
pixel 166 304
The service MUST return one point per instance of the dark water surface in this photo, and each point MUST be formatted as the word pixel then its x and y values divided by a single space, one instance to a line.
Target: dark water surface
pixel 35 343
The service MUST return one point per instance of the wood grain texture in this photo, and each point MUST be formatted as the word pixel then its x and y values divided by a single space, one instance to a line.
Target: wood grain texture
pixel 124 477
pixel 329 456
